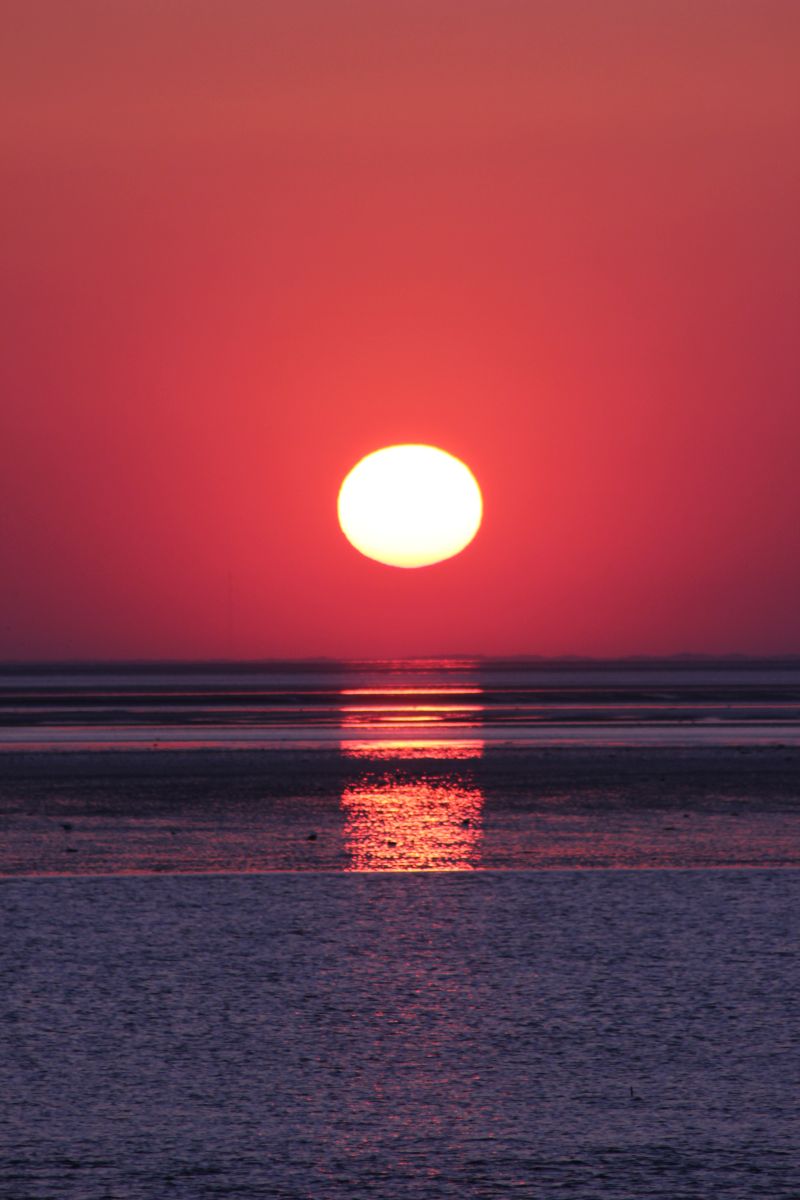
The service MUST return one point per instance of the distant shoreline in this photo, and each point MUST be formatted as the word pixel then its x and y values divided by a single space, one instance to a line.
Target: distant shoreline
pixel 441 662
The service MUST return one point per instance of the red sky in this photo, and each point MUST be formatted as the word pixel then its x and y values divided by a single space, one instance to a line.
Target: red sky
pixel 246 242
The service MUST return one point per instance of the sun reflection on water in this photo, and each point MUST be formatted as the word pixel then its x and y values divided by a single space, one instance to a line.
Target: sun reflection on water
pixel 398 821
pixel 379 712
pixel 412 803
pixel 412 825
pixel 390 749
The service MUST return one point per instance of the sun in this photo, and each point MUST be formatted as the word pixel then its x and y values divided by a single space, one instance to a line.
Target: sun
pixel 410 506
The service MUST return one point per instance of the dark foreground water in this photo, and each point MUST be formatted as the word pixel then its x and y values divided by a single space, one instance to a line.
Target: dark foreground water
pixel 586 1034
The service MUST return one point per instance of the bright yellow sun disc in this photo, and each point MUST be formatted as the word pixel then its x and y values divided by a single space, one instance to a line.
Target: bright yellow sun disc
pixel 410 506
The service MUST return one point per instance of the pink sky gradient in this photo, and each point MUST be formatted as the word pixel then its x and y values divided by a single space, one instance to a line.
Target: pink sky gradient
pixel 245 243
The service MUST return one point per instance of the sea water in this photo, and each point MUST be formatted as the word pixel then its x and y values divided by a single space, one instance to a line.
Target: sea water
pixel 586 1034
pixel 445 765
pixel 441 929
pixel 307 704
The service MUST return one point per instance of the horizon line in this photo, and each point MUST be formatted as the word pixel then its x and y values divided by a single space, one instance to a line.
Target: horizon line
pixel 686 658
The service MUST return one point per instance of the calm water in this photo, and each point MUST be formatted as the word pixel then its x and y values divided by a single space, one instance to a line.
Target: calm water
pixel 408 1036
pixel 390 766
pixel 383 929
pixel 349 703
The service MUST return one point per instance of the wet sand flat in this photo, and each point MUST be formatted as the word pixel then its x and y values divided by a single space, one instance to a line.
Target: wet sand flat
pixel 106 812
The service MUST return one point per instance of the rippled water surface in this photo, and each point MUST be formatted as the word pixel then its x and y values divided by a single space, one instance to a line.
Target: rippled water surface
pixel 585 1034
pixel 346 930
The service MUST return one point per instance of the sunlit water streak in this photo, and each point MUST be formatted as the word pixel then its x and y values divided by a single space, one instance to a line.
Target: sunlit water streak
pixel 394 823
pixel 412 826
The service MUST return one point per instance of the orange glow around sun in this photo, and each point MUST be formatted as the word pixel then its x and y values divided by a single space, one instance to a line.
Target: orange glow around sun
pixel 410 506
